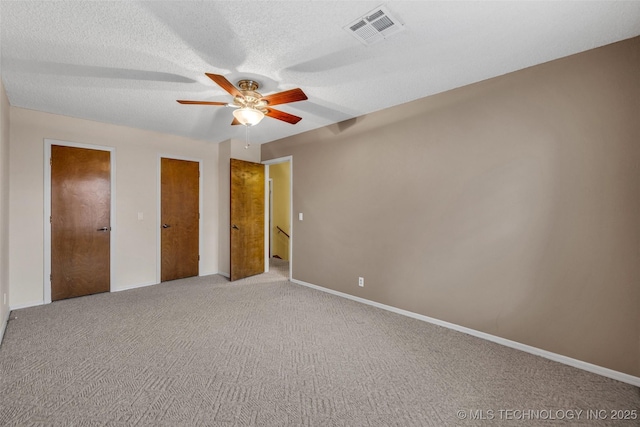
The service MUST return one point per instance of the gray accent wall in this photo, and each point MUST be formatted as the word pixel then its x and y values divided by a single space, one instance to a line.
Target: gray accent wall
pixel 510 206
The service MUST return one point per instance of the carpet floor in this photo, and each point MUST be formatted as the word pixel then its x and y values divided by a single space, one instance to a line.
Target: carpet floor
pixel 265 352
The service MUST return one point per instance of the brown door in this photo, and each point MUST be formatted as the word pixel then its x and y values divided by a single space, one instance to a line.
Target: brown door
pixel 247 219
pixel 180 214
pixel 80 221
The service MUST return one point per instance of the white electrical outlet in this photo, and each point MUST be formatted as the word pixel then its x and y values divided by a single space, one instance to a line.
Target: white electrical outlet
pixel 361 282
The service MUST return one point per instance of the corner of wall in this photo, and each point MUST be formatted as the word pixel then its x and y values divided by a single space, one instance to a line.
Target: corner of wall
pixel 4 209
pixel 240 151
pixel 224 238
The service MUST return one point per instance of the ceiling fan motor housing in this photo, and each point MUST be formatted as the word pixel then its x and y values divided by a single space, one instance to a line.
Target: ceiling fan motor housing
pixel 250 97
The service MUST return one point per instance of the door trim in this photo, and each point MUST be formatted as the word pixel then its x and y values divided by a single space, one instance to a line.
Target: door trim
pixel 267 216
pixel 268 219
pixel 47 210
pixel 159 211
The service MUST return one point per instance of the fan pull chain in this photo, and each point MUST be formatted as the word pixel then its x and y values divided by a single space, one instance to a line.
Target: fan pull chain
pixel 246 137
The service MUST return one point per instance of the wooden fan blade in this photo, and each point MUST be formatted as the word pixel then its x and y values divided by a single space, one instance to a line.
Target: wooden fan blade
pixel 285 97
pixel 281 115
pixel 224 84
pixel 181 101
pixel 235 122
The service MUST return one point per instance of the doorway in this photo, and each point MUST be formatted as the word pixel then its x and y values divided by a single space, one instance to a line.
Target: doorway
pixel 78 219
pixel 280 214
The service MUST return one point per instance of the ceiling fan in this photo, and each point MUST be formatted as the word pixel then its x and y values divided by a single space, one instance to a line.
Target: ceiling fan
pixel 251 105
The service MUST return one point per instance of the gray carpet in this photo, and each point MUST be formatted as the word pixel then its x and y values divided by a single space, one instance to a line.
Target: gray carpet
pixel 266 352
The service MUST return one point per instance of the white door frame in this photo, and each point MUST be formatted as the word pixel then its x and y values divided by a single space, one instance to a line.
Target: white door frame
pixel 270 218
pixel 159 212
pixel 267 212
pixel 47 210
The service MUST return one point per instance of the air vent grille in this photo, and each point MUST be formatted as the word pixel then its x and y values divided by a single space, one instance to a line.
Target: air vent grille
pixel 382 23
pixel 375 16
pixel 374 26
pixel 357 26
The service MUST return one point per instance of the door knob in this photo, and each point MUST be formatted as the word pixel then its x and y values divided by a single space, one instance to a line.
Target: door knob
pixel 235 227
pixel 103 229
pixel 165 226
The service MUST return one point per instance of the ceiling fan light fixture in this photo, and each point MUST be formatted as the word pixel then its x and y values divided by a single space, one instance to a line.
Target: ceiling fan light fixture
pixel 248 116
pixel 251 105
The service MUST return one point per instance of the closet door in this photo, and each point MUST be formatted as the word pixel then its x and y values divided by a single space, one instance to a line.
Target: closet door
pixel 80 221
pixel 180 217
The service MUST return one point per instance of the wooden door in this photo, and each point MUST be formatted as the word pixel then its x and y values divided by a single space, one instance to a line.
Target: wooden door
pixel 80 221
pixel 180 215
pixel 247 219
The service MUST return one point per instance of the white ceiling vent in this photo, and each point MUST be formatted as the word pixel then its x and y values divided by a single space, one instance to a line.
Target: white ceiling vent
pixel 374 26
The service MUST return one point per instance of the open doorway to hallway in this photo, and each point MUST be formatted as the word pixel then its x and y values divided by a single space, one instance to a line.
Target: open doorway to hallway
pixel 279 215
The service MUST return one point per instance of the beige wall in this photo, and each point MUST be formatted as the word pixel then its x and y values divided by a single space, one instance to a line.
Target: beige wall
pixel 4 207
pixel 280 174
pixel 137 158
pixel 510 206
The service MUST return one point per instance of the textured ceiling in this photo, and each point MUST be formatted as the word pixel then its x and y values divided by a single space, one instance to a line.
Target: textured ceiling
pixel 127 62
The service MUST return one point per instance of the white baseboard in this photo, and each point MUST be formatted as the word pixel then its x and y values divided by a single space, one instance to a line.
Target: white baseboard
pixel 207 273
pixel 227 275
pixel 26 305
pixel 3 325
pixel 129 287
pixel 605 372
